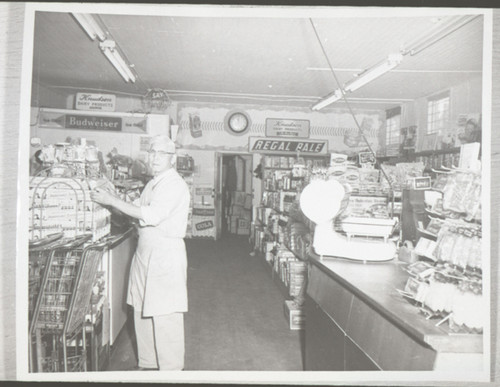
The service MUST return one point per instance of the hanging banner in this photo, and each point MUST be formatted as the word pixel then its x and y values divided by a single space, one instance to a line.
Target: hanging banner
pixel 124 124
pixel 288 146
pixel 94 123
pixel 278 127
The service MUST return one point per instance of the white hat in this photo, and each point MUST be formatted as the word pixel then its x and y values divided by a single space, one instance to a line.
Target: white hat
pixel 164 142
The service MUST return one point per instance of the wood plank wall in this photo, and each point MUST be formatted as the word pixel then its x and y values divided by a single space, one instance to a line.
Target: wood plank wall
pixel 495 195
pixel 11 35
pixel 11 38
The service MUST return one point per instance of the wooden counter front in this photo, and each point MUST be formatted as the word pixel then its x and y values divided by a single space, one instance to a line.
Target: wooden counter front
pixel 119 258
pixel 378 328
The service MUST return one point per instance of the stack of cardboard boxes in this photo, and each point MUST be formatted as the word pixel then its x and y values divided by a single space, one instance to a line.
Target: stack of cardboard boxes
pixel 240 214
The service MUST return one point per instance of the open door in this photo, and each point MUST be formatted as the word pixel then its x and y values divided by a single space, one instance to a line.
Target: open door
pixel 233 193
pixel 218 184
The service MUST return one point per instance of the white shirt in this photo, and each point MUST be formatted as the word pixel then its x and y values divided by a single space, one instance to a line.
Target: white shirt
pixel 164 204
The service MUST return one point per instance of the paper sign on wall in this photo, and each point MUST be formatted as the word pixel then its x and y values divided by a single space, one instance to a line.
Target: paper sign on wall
pixel 278 127
pixel 95 102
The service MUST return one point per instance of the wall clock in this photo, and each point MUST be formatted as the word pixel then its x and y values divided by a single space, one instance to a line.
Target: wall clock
pixel 237 122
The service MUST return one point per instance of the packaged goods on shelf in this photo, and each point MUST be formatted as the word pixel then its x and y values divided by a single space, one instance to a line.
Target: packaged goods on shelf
pixel 286 200
pixel 283 255
pixel 60 204
pixel 462 193
pixel 295 315
pixel 437 161
pixel 400 174
pixel 368 175
pixel 338 163
pixel 71 160
pixel 445 293
pixel 407 171
pixel 459 244
pixel 297 271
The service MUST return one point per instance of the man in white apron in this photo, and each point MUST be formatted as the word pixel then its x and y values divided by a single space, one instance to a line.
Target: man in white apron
pixel 157 284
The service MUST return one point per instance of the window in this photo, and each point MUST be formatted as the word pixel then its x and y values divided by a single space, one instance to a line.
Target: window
pixel 438 114
pixel 392 126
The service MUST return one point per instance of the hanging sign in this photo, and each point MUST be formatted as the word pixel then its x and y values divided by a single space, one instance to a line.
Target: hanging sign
pixel 278 127
pixel 93 122
pixel 287 146
pixel 95 102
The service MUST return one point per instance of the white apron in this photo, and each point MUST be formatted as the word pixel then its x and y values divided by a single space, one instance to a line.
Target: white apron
pixel 157 282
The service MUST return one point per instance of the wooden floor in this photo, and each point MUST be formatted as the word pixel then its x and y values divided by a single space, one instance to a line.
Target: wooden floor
pixel 235 320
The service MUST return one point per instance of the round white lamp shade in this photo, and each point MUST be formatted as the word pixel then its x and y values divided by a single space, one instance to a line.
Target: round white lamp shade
pixel 321 200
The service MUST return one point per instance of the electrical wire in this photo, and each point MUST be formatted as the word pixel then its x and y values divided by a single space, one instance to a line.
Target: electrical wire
pixel 351 111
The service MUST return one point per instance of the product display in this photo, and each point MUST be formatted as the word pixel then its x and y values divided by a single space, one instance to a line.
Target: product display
pixel 447 282
pixel 447 295
pixel 65 159
pixel 63 204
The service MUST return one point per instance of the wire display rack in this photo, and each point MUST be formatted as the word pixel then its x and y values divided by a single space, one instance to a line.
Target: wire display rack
pixel 57 339
pixel 39 253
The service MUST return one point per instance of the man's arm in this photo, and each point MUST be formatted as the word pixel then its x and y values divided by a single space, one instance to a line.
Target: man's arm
pixel 107 199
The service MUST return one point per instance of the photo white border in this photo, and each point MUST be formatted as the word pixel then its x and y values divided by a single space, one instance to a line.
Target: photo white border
pixel 247 377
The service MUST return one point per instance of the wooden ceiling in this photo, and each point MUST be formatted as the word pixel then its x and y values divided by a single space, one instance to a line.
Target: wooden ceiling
pixel 267 60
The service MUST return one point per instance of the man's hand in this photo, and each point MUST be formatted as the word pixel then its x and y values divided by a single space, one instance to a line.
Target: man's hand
pixel 103 197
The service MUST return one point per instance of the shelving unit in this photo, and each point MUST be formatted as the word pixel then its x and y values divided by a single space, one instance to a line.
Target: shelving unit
pixel 284 231
pixel 185 168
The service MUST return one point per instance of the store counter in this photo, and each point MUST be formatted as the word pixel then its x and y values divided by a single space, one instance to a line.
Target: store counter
pixel 356 320
pixel 122 245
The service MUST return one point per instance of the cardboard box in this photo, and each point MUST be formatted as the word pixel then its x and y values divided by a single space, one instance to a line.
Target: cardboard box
pixel 243 227
pixel 295 315
pixel 240 212
pixel 248 202
pixel 238 198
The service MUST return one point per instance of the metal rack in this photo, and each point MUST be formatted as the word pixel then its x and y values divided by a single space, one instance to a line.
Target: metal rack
pixel 57 339
pixel 39 253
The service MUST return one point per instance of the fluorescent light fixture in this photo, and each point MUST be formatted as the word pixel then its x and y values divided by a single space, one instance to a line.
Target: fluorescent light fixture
pixel 110 50
pixel 90 26
pixel 374 72
pixel 328 100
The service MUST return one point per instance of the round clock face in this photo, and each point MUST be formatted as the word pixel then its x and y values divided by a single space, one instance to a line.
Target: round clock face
pixel 237 122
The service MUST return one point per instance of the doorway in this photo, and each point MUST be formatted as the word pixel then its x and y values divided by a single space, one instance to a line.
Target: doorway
pixel 233 193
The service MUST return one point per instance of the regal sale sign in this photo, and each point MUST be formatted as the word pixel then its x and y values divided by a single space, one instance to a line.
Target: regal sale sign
pixel 287 146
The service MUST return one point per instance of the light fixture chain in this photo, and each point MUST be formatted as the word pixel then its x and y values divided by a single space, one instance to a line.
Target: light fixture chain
pixel 349 105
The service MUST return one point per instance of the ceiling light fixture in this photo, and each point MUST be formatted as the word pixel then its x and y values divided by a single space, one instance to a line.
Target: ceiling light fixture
pixel 337 95
pixel 110 49
pixel 369 75
pixel 90 26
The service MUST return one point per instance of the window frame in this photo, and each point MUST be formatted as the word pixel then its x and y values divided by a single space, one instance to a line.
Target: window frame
pixel 393 131
pixel 436 124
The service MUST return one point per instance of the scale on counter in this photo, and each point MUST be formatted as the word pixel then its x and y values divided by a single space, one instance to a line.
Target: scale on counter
pixel 322 201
